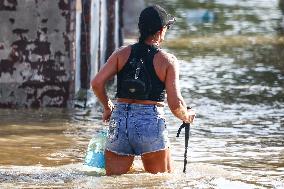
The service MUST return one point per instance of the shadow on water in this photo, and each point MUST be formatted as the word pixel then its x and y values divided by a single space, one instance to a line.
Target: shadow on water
pixel 232 73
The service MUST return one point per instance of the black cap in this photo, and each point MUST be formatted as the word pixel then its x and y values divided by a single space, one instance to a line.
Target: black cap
pixel 153 18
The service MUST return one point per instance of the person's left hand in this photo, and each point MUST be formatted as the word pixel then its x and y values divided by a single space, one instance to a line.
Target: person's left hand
pixel 107 111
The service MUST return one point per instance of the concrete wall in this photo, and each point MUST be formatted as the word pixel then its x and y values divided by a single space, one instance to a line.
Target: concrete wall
pixel 50 49
pixel 35 53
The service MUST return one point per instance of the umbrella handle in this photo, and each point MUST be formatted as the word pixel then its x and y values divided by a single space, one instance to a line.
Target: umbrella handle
pixel 183 125
pixel 187 129
pixel 180 128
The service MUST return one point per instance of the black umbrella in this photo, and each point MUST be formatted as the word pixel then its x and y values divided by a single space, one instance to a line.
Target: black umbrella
pixel 186 137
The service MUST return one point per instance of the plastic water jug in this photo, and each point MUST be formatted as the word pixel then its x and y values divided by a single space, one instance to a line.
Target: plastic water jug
pixel 95 156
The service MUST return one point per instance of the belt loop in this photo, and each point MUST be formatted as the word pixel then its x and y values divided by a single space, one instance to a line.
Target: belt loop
pixel 127 107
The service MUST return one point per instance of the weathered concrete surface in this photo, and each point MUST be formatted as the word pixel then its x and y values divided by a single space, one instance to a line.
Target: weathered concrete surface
pixel 50 49
pixel 35 47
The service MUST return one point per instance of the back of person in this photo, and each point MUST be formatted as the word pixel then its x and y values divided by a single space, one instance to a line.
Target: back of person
pixel 136 122
pixel 138 79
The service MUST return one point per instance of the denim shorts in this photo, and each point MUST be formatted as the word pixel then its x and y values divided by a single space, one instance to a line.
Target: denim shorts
pixel 136 129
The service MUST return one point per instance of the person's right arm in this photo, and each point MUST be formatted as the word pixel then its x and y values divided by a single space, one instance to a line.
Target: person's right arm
pixel 175 100
pixel 99 81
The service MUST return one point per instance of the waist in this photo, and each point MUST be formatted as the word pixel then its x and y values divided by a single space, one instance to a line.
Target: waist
pixel 124 109
pixel 143 102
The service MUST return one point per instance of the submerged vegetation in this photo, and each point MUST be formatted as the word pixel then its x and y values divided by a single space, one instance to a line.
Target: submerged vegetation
pixel 205 44
pixel 246 50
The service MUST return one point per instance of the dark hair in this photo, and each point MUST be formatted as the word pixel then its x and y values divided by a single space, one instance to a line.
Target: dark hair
pixel 151 20
pixel 144 35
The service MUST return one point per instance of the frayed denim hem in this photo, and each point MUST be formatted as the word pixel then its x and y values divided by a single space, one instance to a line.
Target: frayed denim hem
pixel 118 153
pixel 123 154
pixel 167 147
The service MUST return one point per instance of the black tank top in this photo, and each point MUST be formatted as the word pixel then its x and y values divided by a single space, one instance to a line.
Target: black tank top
pixel 154 88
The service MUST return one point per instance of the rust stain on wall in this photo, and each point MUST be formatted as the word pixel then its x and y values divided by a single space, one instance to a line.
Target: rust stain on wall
pixel 9 5
pixel 35 57
pixel 63 5
pixel 38 57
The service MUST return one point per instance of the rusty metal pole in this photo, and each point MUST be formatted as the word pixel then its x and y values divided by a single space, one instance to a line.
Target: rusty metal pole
pixel 110 28
pixel 281 5
pixel 121 23
pixel 85 45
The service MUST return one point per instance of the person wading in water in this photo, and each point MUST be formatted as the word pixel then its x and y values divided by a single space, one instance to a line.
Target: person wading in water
pixel 145 73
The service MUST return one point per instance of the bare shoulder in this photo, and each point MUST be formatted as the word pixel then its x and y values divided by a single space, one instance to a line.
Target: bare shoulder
pixel 167 58
pixel 123 50
pixel 122 55
pixel 164 63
